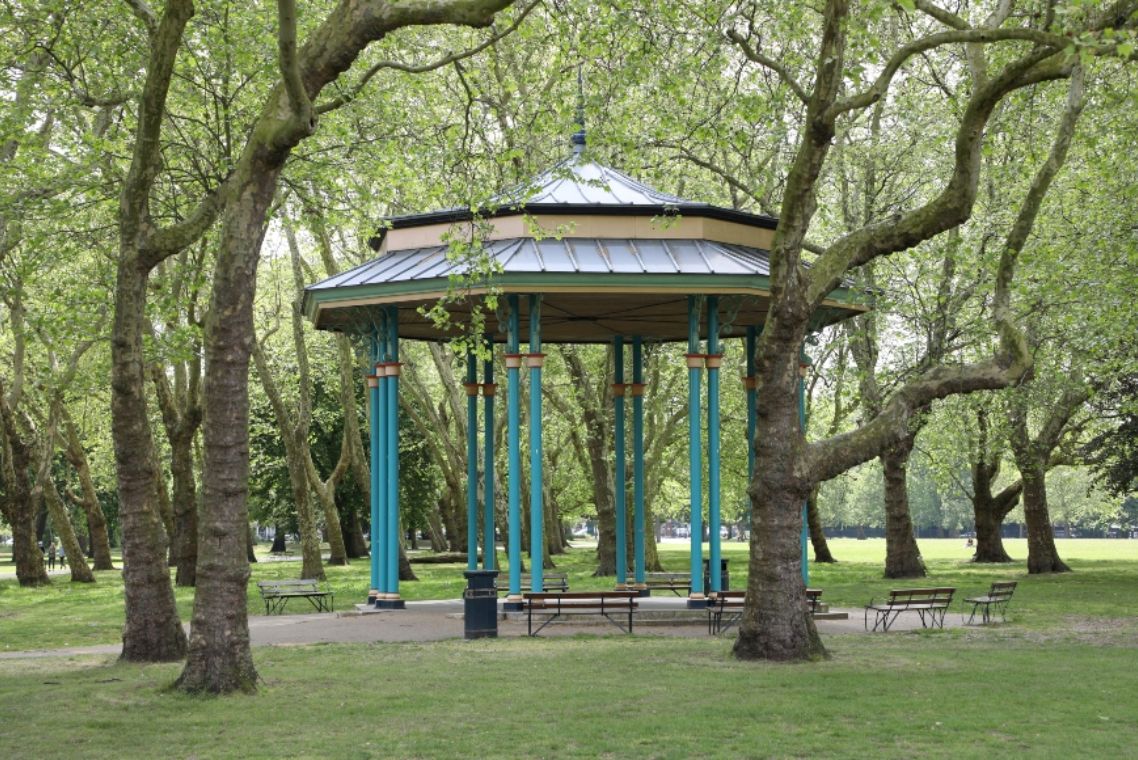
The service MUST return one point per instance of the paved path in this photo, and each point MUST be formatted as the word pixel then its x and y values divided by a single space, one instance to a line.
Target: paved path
pixel 442 619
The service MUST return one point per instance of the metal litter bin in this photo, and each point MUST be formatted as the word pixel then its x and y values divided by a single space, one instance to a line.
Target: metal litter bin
pixel 724 576
pixel 480 605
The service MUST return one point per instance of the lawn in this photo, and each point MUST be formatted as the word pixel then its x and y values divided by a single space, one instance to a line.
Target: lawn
pixel 66 614
pixel 1059 676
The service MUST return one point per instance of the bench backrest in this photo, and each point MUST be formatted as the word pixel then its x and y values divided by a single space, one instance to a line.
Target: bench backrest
pixel 939 596
pixel 1002 590
pixel 581 595
pixel 309 584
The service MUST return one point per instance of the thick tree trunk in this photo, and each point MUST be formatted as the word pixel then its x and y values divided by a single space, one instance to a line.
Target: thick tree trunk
pixel 902 557
pixel 1042 555
pixel 26 553
pixel 817 535
pixel 89 498
pixel 989 512
pixel 353 534
pixel 219 658
pixel 775 624
pixel 153 632
pixel 279 546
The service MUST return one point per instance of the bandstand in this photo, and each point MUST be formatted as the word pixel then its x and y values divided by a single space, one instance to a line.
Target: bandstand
pixel 583 254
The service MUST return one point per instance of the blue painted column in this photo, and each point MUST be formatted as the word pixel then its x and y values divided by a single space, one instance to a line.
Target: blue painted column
pixel 471 386
pixel 638 462
pixel 803 368
pixel 379 471
pixel 393 601
pixel 534 361
pixel 619 475
pixel 695 361
pixel 489 548
pixel 374 435
pixel 513 423
pixel 714 359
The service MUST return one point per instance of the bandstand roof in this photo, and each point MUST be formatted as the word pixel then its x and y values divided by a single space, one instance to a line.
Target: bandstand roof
pixel 610 256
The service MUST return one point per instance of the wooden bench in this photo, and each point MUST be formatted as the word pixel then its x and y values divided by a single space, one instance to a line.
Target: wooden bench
pixel 996 599
pixel 277 593
pixel 555 607
pixel 732 601
pixel 668 581
pixel 549 581
pixel 929 603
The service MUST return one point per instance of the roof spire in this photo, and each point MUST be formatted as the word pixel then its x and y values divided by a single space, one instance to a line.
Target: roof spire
pixel 578 138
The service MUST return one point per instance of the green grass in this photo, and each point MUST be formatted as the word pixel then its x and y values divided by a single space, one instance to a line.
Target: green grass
pixel 1060 675
pixel 983 694
pixel 71 615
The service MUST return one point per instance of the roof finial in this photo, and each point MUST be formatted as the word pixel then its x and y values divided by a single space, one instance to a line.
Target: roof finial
pixel 578 138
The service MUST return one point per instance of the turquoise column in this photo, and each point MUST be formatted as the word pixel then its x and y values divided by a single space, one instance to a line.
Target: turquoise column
pixel 489 548
pixel 374 416
pixel 471 386
pixel 379 472
pixel 695 361
pixel 536 507
pixel 393 601
pixel 619 474
pixel 714 358
pixel 513 423
pixel 638 461
pixel 803 368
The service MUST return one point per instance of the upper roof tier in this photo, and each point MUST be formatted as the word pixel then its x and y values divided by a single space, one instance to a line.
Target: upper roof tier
pixel 611 256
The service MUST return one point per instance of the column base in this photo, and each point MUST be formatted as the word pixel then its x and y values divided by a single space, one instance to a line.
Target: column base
pixel 513 603
pixel 642 589
pixel 697 602
pixel 390 602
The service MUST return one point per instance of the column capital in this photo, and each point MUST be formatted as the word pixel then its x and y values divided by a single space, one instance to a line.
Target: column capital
pixel 618 389
pixel 372 381
pixel 714 361
pixel 471 389
pixel 749 382
pixel 535 361
pixel 803 369
pixel 488 389
pixel 636 389
pixel 513 361
pixel 695 361
pixel 391 369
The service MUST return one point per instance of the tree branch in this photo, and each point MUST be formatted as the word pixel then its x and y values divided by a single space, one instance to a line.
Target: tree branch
pixel 288 62
pixel 145 14
pixel 769 63
pixel 409 68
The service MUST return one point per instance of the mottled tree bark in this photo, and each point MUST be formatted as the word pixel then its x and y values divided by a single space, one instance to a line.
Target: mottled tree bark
pixel 989 509
pixel 80 571
pixel 17 504
pixel 902 557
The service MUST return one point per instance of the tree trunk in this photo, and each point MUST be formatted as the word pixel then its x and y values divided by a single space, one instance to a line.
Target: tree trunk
pixel 153 632
pixel 1042 556
pixel 338 553
pixel 251 543
pixel 989 542
pixel 902 557
pixel 184 544
pixel 219 658
pixel 89 498
pixel 775 624
pixel 80 572
pixel 353 535
pixel 279 546
pixel 817 535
